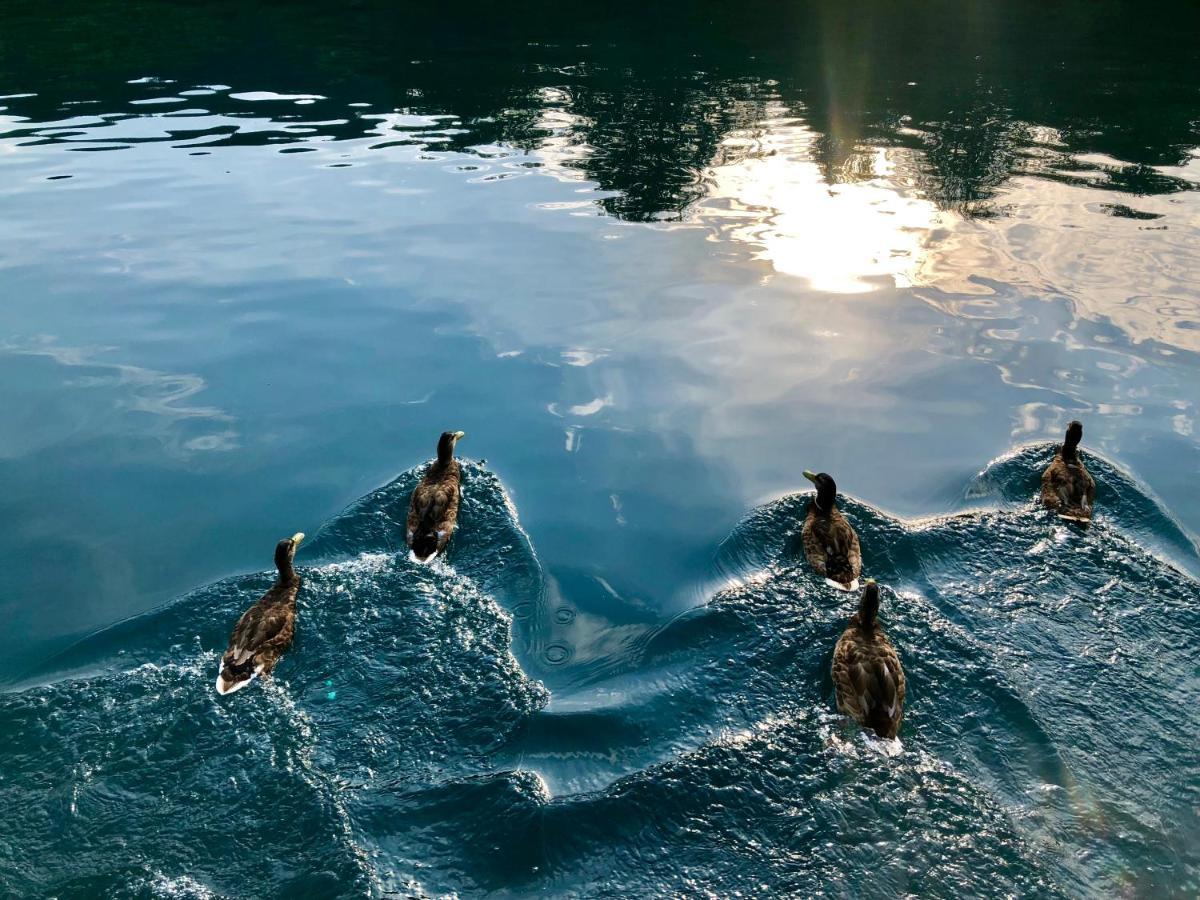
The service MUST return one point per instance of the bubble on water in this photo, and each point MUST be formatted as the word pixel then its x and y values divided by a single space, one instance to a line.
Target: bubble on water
pixel 557 654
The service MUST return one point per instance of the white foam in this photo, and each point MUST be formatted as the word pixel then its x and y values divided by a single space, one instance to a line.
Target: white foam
pixel 363 564
pixel 181 886
pixel 541 790
pixel 889 747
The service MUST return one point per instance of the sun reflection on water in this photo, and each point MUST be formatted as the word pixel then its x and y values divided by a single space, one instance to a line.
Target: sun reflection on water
pixel 851 236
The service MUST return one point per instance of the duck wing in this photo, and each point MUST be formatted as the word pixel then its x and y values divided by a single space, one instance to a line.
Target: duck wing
pixel 259 638
pixel 845 563
pixel 433 511
pixel 1053 484
pixel 265 627
pixel 848 675
pixel 1068 489
pixel 870 681
pixel 890 687
pixel 814 542
pixel 429 503
pixel 832 547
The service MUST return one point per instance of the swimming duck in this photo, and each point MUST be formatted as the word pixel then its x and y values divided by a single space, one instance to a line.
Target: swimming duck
pixel 1067 488
pixel 830 542
pixel 867 672
pixel 434 507
pixel 265 630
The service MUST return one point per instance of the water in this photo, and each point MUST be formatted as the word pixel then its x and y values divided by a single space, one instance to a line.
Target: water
pixel 654 264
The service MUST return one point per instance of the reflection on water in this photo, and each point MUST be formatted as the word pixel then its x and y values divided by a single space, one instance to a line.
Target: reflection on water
pixel 656 266
pixel 163 397
pixel 840 235
pixel 1136 272
pixel 655 262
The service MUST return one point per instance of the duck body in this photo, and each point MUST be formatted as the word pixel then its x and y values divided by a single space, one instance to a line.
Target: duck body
pixel 830 542
pixel 433 510
pixel 1067 486
pixel 265 630
pixel 867 674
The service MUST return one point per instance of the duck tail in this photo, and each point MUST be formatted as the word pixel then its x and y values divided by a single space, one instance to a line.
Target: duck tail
pixel 1075 514
pixel 235 676
pixel 883 726
pixel 839 573
pixel 425 544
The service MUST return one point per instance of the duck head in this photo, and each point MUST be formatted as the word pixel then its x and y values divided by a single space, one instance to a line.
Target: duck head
pixel 446 444
pixel 868 605
pixel 285 552
pixel 826 489
pixel 1073 437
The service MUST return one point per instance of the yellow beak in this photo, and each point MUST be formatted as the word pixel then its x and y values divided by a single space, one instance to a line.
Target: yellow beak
pixel 459 435
pixel 811 476
pixel 297 538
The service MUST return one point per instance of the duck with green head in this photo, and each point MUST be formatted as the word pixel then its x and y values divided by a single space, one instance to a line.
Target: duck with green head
pixel 830 542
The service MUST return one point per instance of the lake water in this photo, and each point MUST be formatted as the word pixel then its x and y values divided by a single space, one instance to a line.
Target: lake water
pixel 254 259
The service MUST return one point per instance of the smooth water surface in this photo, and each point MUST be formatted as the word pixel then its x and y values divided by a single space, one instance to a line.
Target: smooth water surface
pixel 254 258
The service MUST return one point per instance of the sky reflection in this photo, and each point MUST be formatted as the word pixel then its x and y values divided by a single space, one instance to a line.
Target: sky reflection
pixel 652 275
pixel 841 237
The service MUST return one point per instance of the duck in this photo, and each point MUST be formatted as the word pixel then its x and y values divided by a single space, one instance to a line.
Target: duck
pixel 867 672
pixel 1067 487
pixel 830 542
pixel 433 510
pixel 265 630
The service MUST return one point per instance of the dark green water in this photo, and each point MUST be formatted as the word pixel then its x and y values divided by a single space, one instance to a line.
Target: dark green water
pixel 255 257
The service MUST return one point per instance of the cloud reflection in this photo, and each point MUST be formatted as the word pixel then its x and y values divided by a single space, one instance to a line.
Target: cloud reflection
pixel 165 397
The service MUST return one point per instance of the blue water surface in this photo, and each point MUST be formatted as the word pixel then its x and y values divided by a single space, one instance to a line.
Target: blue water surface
pixel 655 263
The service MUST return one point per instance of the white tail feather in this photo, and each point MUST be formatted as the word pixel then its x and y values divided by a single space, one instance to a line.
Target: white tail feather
pixel 229 687
pixel 1073 518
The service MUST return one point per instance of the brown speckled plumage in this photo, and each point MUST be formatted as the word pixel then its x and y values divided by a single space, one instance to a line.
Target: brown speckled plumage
pixel 1067 486
pixel 433 511
pixel 867 672
pixel 830 542
pixel 265 630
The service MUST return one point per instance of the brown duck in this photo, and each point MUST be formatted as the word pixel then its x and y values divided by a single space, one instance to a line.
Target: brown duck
pixel 1067 487
pixel 265 630
pixel 867 671
pixel 433 511
pixel 830 542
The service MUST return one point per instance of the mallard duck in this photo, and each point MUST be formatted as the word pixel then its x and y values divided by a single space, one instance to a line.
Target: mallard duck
pixel 434 507
pixel 867 672
pixel 1067 488
pixel 830 542
pixel 265 630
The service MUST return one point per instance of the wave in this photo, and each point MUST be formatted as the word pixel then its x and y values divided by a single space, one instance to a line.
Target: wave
pixel 402 747
pixel 399 672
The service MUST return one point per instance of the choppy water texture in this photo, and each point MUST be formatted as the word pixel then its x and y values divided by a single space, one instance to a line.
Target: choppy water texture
pixel 254 258
pixel 408 745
